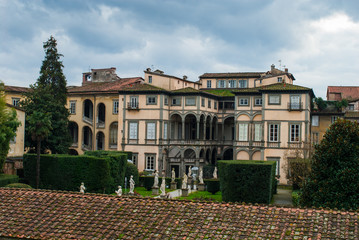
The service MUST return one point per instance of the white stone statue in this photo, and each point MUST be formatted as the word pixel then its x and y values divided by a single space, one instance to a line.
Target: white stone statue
pixel 119 191
pixel 163 187
pixel 215 173
pixel 200 177
pixel 155 183
pixel 184 181
pixel 189 171
pixel 82 188
pixel 173 175
pixel 132 185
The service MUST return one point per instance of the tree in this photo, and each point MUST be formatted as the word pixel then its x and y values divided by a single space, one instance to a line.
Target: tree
pixel 8 126
pixel 48 95
pixel 334 179
pixel 321 104
pixel 40 127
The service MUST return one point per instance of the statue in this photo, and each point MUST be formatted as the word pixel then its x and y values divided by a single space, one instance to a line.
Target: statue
pixel 82 188
pixel 119 191
pixel 184 181
pixel 189 171
pixel 173 175
pixel 200 177
pixel 132 185
pixel 163 187
pixel 215 173
pixel 155 183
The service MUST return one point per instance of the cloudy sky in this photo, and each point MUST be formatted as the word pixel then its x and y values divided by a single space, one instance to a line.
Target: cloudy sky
pixel 317 40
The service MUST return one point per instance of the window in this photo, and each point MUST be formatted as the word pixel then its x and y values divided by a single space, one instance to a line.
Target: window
pixel 149 79
pixel 242 83
pixel 165 130
pixel 243 132
pixel 258 101
pixel 150 162
pixel 151 131
pixel 315 139
pixel 315 121
pixel 190 101
pixel 273 132
pixel 232 83
pixel 295 102
pixel 351 107
pixel 113 134
pixel 166 101
pixel 209 103
pixel 16 101
pixel 115 106
pixel 221 83
pixel 274 99
pixel 72 107
pixel 135 158
pixel 133 130
pixel 176 101
pixel 133 102
pixel 203 100
pixel 279 79
pixel 294 132
pixel 209 84
pixel 243 102
pixel 215 105
pixel 334 118
pixel 151 100
pixel 257 132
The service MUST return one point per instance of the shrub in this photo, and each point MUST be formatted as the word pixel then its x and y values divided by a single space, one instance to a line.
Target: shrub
pixel 131 169
pixel 299 170
pixel 208 171
pixel 295 198
pixel 6 179
pixel 18 185
pixel 148 182
pixel 213 185
pixel 247 181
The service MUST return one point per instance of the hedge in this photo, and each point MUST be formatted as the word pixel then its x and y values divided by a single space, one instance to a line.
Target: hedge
pixel 295 198
pixel 147 182
pixel 18 185
pixel 66 172
pixel 247 181
pixel 213 185
pixel 131 169
pixel 6 179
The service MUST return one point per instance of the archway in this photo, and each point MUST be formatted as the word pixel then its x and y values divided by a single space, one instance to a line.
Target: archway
pixel 190 127
pixel 176 127
pixel 101 114
pixel 74 132
pixel 88 109
pixel 113 135
pixel 228 154
pixel 100 141
pixel 87 138
pixel 228 129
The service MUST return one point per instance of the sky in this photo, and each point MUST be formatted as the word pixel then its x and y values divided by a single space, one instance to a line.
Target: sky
pixel 318 40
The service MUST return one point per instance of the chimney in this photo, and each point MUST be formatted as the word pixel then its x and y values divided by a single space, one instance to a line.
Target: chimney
pixel 272 67
pixel 148 69
pixel 184 77
pixel 286 70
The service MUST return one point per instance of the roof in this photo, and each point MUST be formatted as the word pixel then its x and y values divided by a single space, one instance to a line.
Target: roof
pixel 16 89
pixel 15 107
pixel 107 87
pixel 232 75
pixel 41 214
pixel 141 87
pixel 351 115
pixel 160 73
pixel 347 92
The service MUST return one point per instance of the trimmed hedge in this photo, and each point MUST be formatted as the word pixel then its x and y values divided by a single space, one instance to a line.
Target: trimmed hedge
pixel 66 172
pixel 247 181
pixel 213 185
pixel 131 169
pixel 18 185
pixel 6 179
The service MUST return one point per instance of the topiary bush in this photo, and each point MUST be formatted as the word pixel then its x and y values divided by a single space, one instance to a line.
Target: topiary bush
pixel 6 179
pixel 131 169
pixel 247 181
pixel 333 180
pixel 18 185
pixel 213 185
pixel 148 182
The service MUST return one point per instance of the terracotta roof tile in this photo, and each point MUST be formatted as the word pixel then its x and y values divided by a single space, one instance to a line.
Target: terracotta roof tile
pixel 40 214
pixel 232 75
pixel 347 92
pixel 16 89
pixel 141 87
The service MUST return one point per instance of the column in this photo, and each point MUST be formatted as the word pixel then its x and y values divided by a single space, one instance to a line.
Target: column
pixel 197 138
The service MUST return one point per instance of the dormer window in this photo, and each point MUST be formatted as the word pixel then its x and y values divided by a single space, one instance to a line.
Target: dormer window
pixel 149 79
pixel 280 79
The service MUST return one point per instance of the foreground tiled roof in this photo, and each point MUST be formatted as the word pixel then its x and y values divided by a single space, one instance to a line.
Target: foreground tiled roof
pixel 108 87
pixel 65 215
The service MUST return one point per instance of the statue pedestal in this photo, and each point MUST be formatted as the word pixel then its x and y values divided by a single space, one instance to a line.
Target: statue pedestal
pixel 173 185
pixel 184 192
pixel 155 190
pixel 189 181
pixel 201 186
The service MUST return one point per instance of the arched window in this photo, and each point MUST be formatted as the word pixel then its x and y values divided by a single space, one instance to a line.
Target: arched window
pixel 113 134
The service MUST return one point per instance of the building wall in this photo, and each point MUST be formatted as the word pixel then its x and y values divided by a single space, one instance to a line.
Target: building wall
pixel 18 145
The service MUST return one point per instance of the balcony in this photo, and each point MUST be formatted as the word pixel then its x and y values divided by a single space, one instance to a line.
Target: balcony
pixel 100 124
pixel 273 144
pixel 295 106
pixel 192 142
pixel 87 120
pixel 132 106
pixel 295 145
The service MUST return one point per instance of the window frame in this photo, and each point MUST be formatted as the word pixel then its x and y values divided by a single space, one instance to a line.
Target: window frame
pixel 221 83
pixel 15 101
pixel 190 99
pixel 209 103
pixel 166 101
pixel 240 85
pixel 148 128
pixel 149 79
pixel 257 132
pixel 276 134
pixel 279 79
pixel 274 103
pixel 134 103
pixel 115 106
pixel 240 103
pixel 135 159
pixel 209 83
pixel 317 120
pixel 151 100
pixel 130 136
pixel 148 157
pixel 243 136
pixel 203 102
pixel 215 104
pixel 165 131
pixel 232 83
pixel 255 101
pixel 176 99
pixel 294 128
pixel 113 135
pixel 72 108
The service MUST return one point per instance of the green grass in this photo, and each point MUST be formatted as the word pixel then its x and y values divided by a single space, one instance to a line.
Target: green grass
pixel 203 195
pixel 143 192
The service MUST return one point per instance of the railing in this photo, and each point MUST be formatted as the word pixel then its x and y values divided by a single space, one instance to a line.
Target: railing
pixel 100 124
pixel 132 106
pixel 113 146
pixel 86 147
pixel 295 145
pixel 273 144
pixel 192 142
pixel 187 160
pixel 295 106
pixel 87 120
pixel 74 144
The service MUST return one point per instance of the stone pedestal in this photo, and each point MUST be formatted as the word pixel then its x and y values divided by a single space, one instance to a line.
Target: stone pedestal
pixel 173 185
pixel 201 186
pixel 189 181
pixel 155 190
pixel 184 192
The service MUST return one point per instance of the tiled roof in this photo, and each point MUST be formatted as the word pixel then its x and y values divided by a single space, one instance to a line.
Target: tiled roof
pixel 40 214
pixel 283 87
pixel 186 90
pixel 351 115
pixel 141 87
pixel 220 92
pixel 232 75
pixel 107 87
pixel 347 92
pixel 16 89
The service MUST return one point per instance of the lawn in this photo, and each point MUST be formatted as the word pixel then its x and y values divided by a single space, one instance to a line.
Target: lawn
pixel 203 195
pixel 143 192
